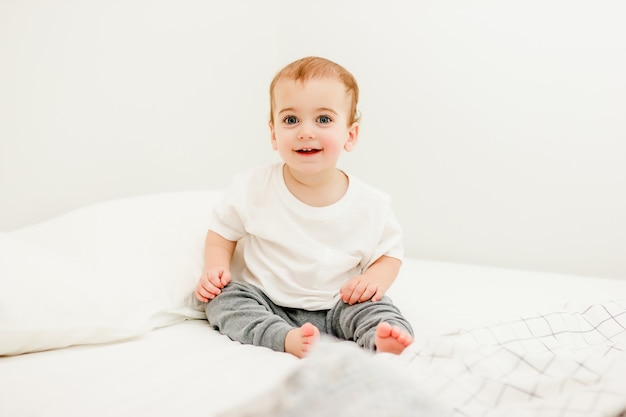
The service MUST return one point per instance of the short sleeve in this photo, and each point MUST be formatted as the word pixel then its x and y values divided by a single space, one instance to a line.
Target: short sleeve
pixel 392 237
pixel 227 217
pixel 390 242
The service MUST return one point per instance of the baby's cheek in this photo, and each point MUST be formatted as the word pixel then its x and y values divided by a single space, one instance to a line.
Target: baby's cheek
pixel 333 146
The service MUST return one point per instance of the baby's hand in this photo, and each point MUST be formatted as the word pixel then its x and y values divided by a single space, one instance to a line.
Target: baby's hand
pixel 211 283
pixel 360 289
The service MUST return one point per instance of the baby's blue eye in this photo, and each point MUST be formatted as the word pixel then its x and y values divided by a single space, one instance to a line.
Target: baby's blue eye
pixel 290 120
pixel 324 119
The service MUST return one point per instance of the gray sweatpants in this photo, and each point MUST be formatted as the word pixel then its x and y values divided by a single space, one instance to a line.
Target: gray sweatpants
pixel 245 314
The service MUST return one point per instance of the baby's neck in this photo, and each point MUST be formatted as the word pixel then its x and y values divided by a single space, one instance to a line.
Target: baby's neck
pixel 318 190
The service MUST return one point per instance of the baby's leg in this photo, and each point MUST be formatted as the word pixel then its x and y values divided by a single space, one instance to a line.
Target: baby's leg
pixel 243 313
pixel 391 339
pixel 377 326
pixel 299 340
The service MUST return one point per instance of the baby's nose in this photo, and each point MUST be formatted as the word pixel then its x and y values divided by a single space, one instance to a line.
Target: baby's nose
pixel 306 131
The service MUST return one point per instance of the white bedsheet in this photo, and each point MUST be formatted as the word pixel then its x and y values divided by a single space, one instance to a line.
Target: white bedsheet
pixel 188 369
pixel 182 370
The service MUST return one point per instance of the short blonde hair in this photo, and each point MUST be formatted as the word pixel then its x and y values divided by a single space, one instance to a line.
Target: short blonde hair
pixel 314 67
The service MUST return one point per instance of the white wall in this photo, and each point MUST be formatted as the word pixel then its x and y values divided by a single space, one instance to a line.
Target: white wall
pixel 497 127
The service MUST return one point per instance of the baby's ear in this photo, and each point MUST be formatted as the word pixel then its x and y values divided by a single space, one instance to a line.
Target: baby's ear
pixel 273 136
pixel 353 137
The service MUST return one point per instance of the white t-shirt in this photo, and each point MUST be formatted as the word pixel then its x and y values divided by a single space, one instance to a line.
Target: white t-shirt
pixel 300 255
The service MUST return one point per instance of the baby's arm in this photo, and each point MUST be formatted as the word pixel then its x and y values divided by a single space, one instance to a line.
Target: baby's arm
pixel 373 283
pixel 218 252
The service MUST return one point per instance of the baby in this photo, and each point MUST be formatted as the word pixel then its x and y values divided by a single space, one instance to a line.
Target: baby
pixel 319 247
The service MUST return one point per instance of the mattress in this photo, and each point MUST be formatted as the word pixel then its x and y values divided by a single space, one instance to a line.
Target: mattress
pixel 97 318
pixel 188 369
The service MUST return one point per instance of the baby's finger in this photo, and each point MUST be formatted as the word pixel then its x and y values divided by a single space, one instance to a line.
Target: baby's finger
pixel 225 279
pixel 200 297
pixel 378 295
pixel 346 294
pixel 214 279
pixel 209 291
pixel 357 294
pixel 201 293
pixel 368 293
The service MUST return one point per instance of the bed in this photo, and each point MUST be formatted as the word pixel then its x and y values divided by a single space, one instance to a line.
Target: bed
pixel 97 318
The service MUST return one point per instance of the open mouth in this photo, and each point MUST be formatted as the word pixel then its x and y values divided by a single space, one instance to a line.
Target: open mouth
pixel 307 151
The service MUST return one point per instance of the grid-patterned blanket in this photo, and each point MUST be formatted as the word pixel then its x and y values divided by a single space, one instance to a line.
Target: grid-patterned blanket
pixel 569 363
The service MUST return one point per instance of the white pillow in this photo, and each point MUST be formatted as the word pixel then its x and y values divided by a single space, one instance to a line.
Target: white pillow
pixel 103 273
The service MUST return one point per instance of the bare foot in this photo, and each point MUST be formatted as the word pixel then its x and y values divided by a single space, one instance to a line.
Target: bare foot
pixel 391 339
pixel 299 340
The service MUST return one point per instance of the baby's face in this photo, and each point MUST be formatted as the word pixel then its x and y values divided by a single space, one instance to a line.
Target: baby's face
pixel 311 123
